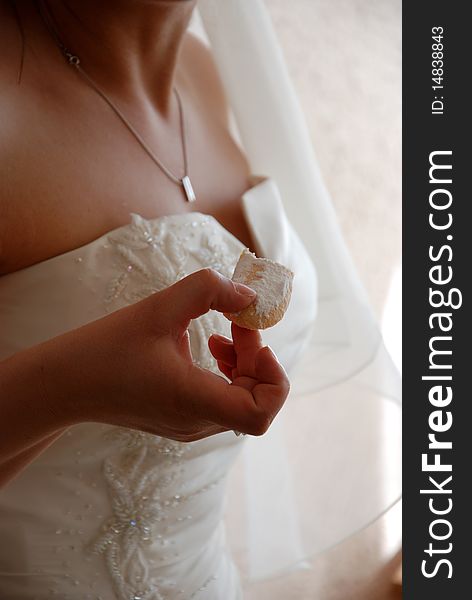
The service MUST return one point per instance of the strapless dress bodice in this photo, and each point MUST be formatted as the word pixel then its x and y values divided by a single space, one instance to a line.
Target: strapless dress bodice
pixel 107 512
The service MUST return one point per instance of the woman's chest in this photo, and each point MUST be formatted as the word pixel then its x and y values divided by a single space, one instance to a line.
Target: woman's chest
pixel 70 180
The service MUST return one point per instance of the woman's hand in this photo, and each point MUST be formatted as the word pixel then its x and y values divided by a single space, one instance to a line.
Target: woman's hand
pixel 134 368
pixel 244 360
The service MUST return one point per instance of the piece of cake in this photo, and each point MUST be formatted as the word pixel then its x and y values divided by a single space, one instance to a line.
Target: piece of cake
pixel 273 284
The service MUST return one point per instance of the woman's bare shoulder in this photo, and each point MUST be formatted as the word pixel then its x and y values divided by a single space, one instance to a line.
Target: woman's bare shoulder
pixel 202 74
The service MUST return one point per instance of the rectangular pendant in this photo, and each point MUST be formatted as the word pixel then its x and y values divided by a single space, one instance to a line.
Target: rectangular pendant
pixel 188 189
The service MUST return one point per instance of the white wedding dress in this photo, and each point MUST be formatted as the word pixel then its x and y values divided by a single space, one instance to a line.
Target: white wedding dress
pixel 111 513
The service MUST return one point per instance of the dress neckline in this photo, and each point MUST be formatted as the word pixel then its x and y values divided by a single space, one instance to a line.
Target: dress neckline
pixel 259 183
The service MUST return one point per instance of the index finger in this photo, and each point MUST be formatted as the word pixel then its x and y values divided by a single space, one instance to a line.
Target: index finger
pixel 247 342
pixel 233 406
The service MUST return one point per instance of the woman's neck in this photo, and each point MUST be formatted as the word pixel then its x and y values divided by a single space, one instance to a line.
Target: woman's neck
pixel 128 46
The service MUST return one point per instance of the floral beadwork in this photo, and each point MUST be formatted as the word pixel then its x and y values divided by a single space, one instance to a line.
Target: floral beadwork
pixel 151 255
pixel 138 479
pixel 149 259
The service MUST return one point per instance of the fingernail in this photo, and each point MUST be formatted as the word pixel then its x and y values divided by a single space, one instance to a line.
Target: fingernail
pixel 244 290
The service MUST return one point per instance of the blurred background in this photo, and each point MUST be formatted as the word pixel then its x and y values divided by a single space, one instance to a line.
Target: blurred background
pixel 344 57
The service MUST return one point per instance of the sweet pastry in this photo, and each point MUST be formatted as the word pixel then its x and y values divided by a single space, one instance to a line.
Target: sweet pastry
pixel 273 284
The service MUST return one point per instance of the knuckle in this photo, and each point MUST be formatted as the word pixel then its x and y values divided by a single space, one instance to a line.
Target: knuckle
pixel 209 276
pixel 286 387
pixel 260 423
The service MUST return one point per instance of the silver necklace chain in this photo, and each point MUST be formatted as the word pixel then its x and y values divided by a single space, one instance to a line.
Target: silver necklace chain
pixel 74 61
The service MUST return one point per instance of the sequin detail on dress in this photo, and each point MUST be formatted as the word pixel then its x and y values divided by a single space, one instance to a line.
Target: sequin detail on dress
pixel 153 254
pixel 138 480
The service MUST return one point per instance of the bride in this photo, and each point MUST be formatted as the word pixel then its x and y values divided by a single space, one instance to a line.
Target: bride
pixel 126 199
pixel 122 384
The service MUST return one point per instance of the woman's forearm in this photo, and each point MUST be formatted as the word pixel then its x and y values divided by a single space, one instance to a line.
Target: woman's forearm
pixel 133 368
pixel 30 418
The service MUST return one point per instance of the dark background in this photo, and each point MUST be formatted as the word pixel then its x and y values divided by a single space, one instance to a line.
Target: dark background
pixel 423 133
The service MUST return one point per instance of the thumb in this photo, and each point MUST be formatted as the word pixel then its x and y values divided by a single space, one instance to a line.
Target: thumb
pixel 201 291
